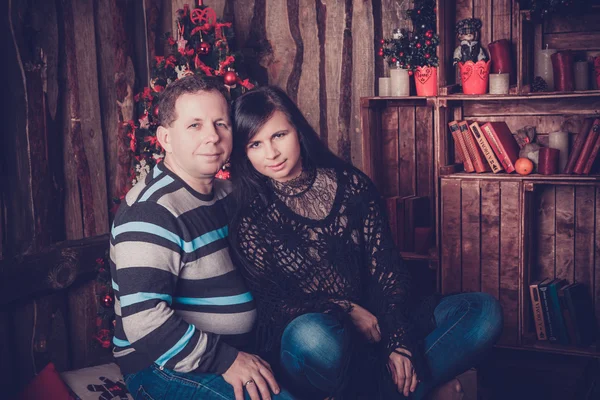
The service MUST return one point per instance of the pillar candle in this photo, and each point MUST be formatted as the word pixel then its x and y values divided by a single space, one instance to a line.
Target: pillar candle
pixel 543 66
pixel 385 86
pixel 400 82
pixel 560 141
pixel 548 161
pixel 582 75
pixel 500 56
pixel 499 83
pixel 562 67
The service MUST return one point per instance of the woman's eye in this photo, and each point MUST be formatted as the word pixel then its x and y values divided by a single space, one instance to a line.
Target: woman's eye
pixel 279 135
pixel 253 145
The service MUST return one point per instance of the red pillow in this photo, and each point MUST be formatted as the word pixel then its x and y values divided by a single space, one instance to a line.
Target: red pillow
pixel 46 385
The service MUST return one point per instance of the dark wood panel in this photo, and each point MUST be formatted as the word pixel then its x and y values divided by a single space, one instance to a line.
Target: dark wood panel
pixel 308 94
pixel 596 292
pixel 545 238
pixel 584 235
pixel 470 238
pixel 502 20
pixel 510 235
pixel 582 106
pixel 573 41
pixel 589 22
pixel 424 153
pixel 490 237
pixel 482 9
pixel 464 9
pixel 450 236
pixel 390 159
pixel 565 232
pixel 7 361
pixel 407 156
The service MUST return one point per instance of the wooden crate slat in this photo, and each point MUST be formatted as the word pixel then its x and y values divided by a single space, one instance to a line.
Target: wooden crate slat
pixel 407 156
pixel 424 151
pixel 545 238
pixel 510 233
pixel 596 292
pixel 450 236
pixel 490 237
pixel 552 106
pixel 573 41
pixel 482 9
pixel 471 239
pixel 584 235
pixel 565 232
pixel 579 23
pixel 502 20
pixel 464 9
pixel 390 165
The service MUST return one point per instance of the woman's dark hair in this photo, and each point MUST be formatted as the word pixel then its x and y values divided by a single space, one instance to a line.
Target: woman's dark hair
pixel 250 113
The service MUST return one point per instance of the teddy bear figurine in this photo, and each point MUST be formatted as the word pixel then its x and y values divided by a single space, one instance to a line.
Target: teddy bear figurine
pixel 467 31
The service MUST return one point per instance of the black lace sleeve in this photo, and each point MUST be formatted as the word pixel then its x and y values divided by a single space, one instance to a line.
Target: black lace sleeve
pixel 389 285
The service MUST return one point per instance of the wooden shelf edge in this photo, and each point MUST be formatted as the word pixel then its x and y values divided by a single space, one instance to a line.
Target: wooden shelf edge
pixel 545 347
pixel 536 178
pixel 407 255
pixel 488 97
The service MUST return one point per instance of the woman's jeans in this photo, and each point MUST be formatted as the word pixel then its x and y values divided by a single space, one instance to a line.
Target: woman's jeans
pixel 154 383
pixel 313 346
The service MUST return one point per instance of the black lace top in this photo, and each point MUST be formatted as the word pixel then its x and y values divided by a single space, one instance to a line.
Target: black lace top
pixel 320 242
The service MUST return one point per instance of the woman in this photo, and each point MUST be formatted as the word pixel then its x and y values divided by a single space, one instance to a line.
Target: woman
pixel 335 308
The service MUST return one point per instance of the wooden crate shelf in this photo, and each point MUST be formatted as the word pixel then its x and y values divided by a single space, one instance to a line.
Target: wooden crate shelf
pixel 495 233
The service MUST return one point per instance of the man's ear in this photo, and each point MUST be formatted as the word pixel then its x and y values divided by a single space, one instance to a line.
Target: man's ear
pixel 163 136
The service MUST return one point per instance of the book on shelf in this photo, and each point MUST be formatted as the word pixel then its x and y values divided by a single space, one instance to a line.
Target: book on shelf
pixel 567 316
pixel 587 148
pixel 486 150
pixel 578 145
pixel 546 309
pixel 479 161
pixel 592 158
pixel 538 312
pixel 502 142
pixel 461 146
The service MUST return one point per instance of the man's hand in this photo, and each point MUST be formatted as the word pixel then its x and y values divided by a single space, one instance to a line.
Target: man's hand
pixel 366 323
pixel 252 373
pixel 403 373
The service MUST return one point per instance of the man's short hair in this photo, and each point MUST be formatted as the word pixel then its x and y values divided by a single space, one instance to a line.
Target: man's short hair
pixel 188 84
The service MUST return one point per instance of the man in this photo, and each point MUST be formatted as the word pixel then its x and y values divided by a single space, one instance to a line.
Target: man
pixel 181 304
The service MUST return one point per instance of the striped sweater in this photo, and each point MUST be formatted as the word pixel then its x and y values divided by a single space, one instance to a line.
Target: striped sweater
pixel 179 300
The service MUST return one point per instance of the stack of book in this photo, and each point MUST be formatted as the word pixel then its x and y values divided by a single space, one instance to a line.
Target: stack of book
pixel 410 222
pixel 563 313
pixel 585 149
pixel 485 147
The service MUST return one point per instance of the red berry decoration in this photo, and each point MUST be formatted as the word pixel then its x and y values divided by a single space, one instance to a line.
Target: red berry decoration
pixel 230 78
pixel 394 59
pixel 401 54
pixel 108 300
pixel 382 41
pixel 428 42
pixel 418 45
pixel 410 73
pixel 429 34
pixel 427 55
pixel 204 48
pixel 155 111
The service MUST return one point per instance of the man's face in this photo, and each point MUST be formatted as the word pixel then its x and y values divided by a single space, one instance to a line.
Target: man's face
pixel 199 141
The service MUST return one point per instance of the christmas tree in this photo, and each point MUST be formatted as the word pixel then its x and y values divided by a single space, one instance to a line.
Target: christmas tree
pixel 201 47
pixel 411 49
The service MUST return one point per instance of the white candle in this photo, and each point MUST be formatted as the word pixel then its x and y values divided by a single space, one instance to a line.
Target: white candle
pixel 582 75
pixel 560 140
pixel 400 82
pixel 385 86
pixel 543 66
pixel 499 83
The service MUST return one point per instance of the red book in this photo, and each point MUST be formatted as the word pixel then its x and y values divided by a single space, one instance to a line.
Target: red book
pixel 578 145
pixel 586 151
pixel 590 162
pixel 461 146
pixel 475 154
pixel 503 143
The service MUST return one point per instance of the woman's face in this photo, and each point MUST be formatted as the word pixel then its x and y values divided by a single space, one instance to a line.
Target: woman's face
pixel 275 150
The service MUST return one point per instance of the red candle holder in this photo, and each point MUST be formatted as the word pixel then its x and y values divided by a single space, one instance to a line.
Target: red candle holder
pixel 474 76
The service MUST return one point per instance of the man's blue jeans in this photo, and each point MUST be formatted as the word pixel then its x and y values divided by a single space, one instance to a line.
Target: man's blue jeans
pixel 154 383
pixel 313 346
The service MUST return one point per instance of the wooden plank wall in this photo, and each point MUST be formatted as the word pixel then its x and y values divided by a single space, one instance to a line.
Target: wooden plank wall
pixel 480 243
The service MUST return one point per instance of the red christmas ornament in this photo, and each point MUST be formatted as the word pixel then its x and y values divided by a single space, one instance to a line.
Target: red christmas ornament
pixel 429 34
pixel 382 41
pixel 230 78
pixel 155 111
pixel 401 54
pixel 428 42
pixel 427 55
pixel 410 73
pixel 394 59
pixel 204 48
pixel 418 45
pixel 108 300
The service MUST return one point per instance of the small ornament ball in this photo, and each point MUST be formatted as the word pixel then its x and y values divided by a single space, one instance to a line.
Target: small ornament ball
pixel 204 48
pixel 418 45
pixel 155 111
pixel 230 78
pixel 428 42
pixel 427 55
pixel 429 34
pixel 108 301
pixel 394 59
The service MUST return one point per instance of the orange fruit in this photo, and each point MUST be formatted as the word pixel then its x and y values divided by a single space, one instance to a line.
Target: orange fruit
pixel 524 166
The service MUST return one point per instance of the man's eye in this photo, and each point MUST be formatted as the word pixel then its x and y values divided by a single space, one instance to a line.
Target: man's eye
pixel 195 125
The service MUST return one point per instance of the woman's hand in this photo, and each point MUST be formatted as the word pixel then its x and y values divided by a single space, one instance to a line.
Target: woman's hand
pixel 366 323
pixel 403 373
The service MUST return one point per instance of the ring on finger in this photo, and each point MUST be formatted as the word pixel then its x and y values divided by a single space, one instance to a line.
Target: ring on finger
pixel 249 381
